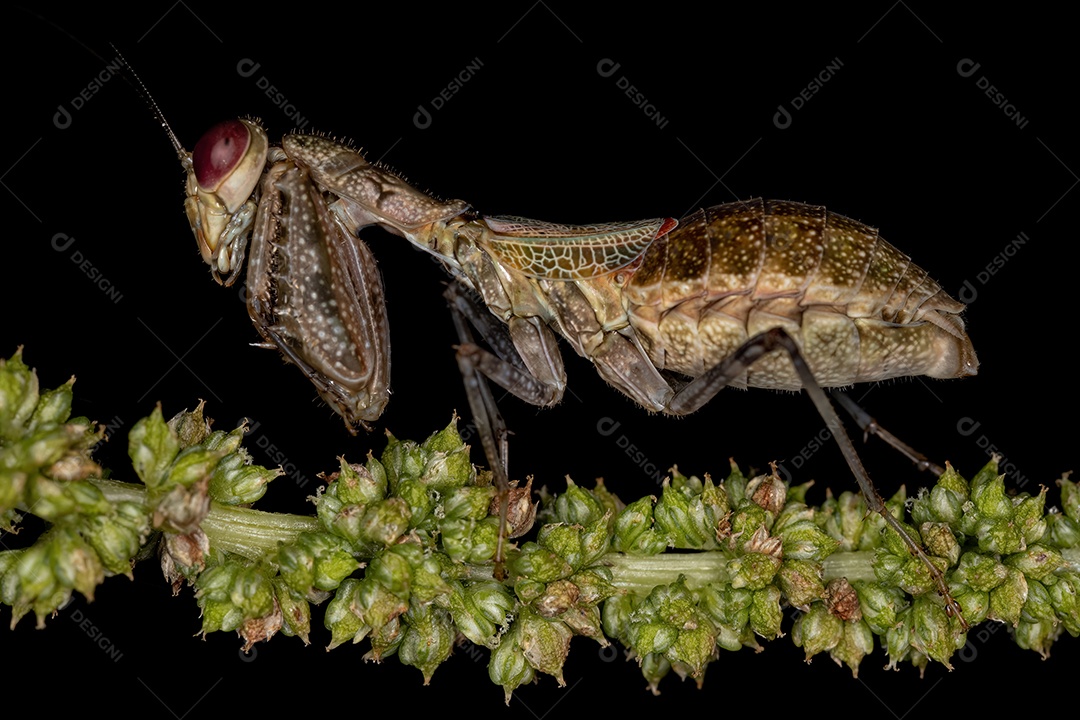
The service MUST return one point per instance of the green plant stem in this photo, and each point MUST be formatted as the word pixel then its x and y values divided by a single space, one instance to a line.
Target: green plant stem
pixel 252 533
pixel 243 531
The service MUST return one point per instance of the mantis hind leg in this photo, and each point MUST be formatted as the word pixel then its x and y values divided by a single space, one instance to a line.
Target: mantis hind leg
pixel 704 388
pixel 870 426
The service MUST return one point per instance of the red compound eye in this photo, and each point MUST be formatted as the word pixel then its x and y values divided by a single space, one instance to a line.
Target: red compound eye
pixel 218 153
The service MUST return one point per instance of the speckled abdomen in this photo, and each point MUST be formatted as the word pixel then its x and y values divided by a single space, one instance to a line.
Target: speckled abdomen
pixel 860 309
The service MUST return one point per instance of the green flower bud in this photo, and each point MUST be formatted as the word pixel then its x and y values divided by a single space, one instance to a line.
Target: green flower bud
pixel 1070 498
pixel 190 428
pixel 652 637
pixel 341 619
pixel 634 531
pixel 377 605
pixel 53 407
pixel 545 643
pixel 907 572
pixel 220 615
pixel 931 633
pixel 585 621
pixel 980 572
pixel 403 460
pixel 295 612
pixel 752 571
pixel 117 537
pixel 1038 605
pixel 385 640
pixel 988 493
pixel 296 564
pixel 445 471
pixel 427 640
pixel 539 564
pixel 616 616
pixel 817 631
pixel 470 541
pixel 875 528
pixel 578 546
pixel 669 622
pixel 801 582
pixel 845 521
pixel 1061 531
pixel 1029 516
pixel 1008 598
pixel 392 570
pixel 1000 537
pixel 974 604
pixel 12 485
pixel 898 640
pixel 1037 635
pixel 73 563
pixel 557 598
pixel 480 610
pixel 765 614
pixel 881 605
pixel 716 502
pixel 683 520
pixel 803 540
pixel 564 541
pixel 1064 599
pixel 952 481
pixel 315 561
pixel 794 512
pixel 18 395
pixel 729 609
pixel 856 643
pixel 508 666
pixel 385 521
pixel 654 668
pixel 940 541
pixel 577 506
pixel 192 465
pixel 247 589
pixel 235 481
pixel 181 510
pixel 428 583
pixel 346 521
pixel 467 503
pixel 527 590
pixel 53 500
pixel 356 484
pixel 594 585
pixel 893 543
pixel 416 495
pixel 655 624
pixel 694 646
pixel 745 522
pixel 735 485
pixel 944 503
pixel 1037 562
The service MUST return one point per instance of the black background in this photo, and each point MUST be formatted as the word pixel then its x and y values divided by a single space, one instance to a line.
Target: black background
pixel 896 137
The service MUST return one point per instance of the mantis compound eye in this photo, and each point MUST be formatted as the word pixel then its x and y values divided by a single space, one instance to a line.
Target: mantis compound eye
pixel 228 161
pixel 219 151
